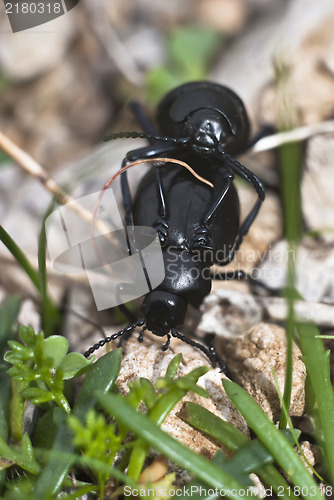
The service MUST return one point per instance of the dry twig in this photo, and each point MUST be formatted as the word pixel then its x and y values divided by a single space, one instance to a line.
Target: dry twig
pixel 295 135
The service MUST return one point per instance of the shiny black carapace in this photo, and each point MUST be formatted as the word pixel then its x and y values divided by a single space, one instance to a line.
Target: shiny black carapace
pixel 205 125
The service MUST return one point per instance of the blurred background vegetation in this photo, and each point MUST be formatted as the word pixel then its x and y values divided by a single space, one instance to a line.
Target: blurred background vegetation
pixel 63 84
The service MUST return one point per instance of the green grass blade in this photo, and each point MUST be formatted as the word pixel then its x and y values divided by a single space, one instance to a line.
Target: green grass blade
pixel 273 440
pixel 269 476
pixel 162 408
pixel 103 375
pixel 202 468
pixel 290 329
pixel 291 161
pixel 38 279
pixel 20 257
pixel 50 313
pixel 9 311
pixel 197 489
pixel 295 435
pixel 274 480
pixel 84 463
pixel 5 393
pixel 172 368
pixel 207 422
pixel 254 455
pixel 316 360
pixel 232 438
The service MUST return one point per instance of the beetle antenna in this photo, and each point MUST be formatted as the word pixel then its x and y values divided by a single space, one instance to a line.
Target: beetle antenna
pixel 115 336
pixel 142 135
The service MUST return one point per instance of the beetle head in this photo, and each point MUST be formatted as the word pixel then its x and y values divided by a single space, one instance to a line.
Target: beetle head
pixel 163 311
pixel 207 128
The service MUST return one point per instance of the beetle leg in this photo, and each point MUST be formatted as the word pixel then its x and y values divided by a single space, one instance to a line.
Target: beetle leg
pixel 210 351
pixel 123 288
pixel 141 334
pixel 209 216
pixel 162 228
pixel 166 344
pixel 245 228
pixel 242 275
pixel 202 236
pixel 161 224
pixel 246 174
pixel 126 194
pixel 218 360
pixel 230 275
pixel 144 122
pixel 143 154
pixel 127 313
pixel 253 179
pixel 263 132
pixel 209 339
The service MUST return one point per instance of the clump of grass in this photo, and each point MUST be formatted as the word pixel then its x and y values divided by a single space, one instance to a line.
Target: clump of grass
pixel 50 314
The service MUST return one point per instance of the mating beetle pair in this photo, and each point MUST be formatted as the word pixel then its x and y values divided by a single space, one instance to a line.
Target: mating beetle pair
pixel 205 125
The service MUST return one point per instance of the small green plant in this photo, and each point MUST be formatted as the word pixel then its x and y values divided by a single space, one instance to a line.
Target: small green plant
pixel 40 367
pixel 96 439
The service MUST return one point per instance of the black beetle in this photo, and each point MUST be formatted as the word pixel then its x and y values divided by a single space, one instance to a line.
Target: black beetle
pixel 203 124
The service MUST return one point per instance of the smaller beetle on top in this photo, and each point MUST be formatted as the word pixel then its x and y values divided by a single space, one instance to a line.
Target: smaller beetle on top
pixel 202 124
pixel 209 114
